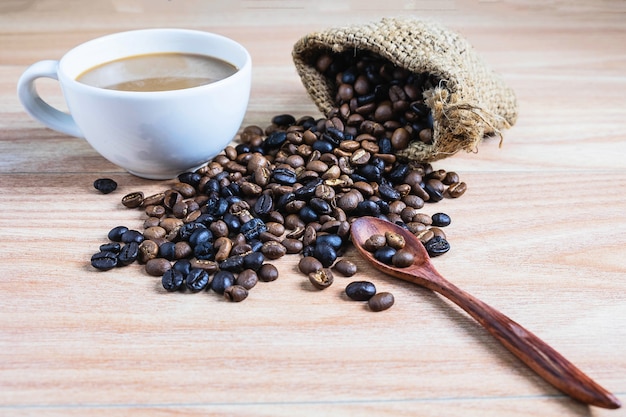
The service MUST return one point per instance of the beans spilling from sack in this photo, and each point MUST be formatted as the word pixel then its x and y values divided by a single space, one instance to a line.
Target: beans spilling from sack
pixel 370 88
pixel 292 188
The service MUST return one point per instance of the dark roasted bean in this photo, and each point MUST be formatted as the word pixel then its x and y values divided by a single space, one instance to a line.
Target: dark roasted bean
pixel 132 236
pixel 437 246
pixel 105 185
pixel 116 233
pixel 381 301
pixel 233 264
pixel 253 260
pixel 172 280
pixel 111 247
pixel 253 228
pixel 128 254
pixel 104 260
pixel 221 281
pixel 360 290
pixel 197 279
pixel 183 266
pixel 326 254
pixel 440 220
pixel 385 254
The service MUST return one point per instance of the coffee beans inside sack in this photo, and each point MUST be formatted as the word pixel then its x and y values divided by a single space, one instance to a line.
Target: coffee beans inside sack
pixel 428 88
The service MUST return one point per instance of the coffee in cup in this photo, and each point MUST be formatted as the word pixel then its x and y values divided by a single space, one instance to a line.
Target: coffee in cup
pixel 156 102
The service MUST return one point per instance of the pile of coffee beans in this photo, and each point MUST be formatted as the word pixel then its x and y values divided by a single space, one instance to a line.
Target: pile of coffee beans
pixel 291 188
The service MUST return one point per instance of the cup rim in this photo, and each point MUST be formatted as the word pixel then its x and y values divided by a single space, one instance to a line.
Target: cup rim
pixel 69 77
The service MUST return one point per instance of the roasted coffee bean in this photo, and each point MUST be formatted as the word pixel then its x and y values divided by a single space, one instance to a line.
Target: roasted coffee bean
pixel 387 192
pixel 183 266
pixel 264 204
pixel 235 293
pixel 172 280
pixel 381 301
pixel 385 254
pixel 360 290
pixel 308 214
pixel 456 189
pixel 273 250
pixel 332 240
pixel 132 236
pixel 157 266
pixel 105 185
pixel 148 249
pixel 437 246
pixel 204 250
pixel 292 245
pixel 233 264
pixel 167 250
pixel 309 264
pixel 275 140
pixel 253 260
pixel 207 265
pixel 128 254
pixel 395 240
pixel 104 260
pixel 322 278
pixel 284 176
pixel 133 200
pixel 247 279
pixel 191 178
pixel 325 253
pixel 374 242
pixel 267 273
pixel 402 258
pixel 440 220
pixel 116 233
pixel 253 228
pixel 222 280
pixel 434 188
pixel 114 247
pixel 345 267
pixel 197 280
pixel 200 235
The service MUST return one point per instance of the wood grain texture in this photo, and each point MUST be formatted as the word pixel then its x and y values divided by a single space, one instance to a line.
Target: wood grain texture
pixel 540 234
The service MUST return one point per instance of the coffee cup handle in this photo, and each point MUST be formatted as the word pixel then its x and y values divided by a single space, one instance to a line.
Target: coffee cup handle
pixel 36 106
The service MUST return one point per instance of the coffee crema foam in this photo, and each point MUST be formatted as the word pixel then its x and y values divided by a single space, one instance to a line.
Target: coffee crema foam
pixel 157 72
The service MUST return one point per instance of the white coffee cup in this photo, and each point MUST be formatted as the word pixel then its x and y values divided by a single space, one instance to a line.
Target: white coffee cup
pixel 155 134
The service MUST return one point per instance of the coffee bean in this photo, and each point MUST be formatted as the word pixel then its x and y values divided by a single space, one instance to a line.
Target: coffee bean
pixel 437 246
pixel 104 260
pixel 247 279
pixel 133 200
pixel 273 250
pixel 128 254
pixel 456 189
pixel 114 247
pixel 267 273
pixel 222 280
pixel 309 264
pixel 360 290
pixel 385 254
pixel 157 266
pixel 402 258
pixel 394 240
pixel 236 293
pixel 345 267
pixel 197 280
pixel 381 301
pixel 322 278
pixel 172 280
pixel 325 253
pixel 105 185
pixel 375 242
pixel 440 220
pixel 116 233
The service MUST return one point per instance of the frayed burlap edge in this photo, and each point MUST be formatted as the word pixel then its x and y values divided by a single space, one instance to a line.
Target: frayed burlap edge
pixel 470 103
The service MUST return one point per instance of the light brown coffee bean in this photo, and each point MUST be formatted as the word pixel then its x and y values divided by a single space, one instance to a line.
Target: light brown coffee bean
pixel 157 266
pixel 457 189
pixel 374 242
pixel 402 258
pixel 309 264
pixel 381 301
pixel 133 200
pixel 322 278
pixel 345 267
pixel 394 240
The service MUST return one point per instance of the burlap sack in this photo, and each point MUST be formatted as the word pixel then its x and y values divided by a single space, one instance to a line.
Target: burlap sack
pixel 471 104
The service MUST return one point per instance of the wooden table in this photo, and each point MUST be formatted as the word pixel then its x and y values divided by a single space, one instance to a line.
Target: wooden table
pixel 540 234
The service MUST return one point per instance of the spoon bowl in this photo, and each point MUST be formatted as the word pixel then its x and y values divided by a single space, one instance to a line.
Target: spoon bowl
pixel 534 352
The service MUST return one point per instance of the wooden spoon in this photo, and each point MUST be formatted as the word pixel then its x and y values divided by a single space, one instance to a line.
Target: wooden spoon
pixel 531 350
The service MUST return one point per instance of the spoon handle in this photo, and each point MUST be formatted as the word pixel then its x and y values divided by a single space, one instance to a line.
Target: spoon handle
pixel 534 352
